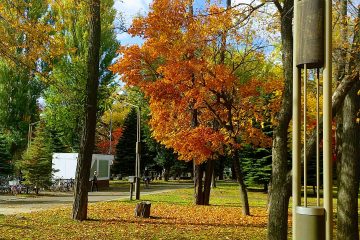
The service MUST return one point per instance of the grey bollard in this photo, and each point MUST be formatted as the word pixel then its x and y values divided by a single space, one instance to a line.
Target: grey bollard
pixel 310 223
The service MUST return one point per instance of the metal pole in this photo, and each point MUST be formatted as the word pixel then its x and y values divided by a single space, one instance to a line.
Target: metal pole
pixel 137 165
pixel 138 155
pixel 317 139
pixel 305 111
pixel 327 161
pixel 110 135
pixel 296 125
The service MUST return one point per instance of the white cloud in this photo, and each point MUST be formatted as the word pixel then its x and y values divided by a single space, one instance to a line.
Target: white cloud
pixel 131 8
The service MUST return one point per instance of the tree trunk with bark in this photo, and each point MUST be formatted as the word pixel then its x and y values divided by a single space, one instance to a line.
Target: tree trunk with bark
pixel 281 181
pixel 198 185
pixel 202 188
pixel 88 134
pixel 349 169
pixel 239 178
pixel 349 172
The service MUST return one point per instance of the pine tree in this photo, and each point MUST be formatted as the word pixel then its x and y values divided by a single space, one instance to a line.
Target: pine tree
pixel 56 142
pixel 125 149
pixel 36 164
pixel 5 157
pixel 257 166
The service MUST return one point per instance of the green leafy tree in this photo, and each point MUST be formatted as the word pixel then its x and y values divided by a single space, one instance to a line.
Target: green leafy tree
pixel 36 164
pixel 19 92
pixel 65 97
pixel 5 157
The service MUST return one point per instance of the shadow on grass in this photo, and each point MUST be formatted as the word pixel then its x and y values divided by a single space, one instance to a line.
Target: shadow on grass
pixel 172 221
pixel 14 226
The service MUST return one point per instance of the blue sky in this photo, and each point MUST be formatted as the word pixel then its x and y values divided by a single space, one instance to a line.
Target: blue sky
pixel 131 8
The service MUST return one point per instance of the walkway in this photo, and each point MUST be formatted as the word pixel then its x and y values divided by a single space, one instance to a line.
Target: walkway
pixel 10 204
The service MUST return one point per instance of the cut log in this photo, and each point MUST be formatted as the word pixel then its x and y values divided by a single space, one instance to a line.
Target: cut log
pixel 142 209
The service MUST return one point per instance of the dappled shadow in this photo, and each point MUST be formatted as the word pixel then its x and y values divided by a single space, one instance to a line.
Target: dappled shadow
pixel 14 226
pixel 24 202
pixel 173 221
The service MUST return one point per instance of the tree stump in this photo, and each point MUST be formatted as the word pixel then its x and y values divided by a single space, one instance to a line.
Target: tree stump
pixel 142 209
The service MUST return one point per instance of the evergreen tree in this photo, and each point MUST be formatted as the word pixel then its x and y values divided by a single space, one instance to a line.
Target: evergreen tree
pixel 5 157
pixel 257 166
pixel 125 149
pixel 57 144
pixel 36 164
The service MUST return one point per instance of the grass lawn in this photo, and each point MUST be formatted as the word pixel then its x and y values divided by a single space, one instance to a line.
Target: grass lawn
pixel 174 216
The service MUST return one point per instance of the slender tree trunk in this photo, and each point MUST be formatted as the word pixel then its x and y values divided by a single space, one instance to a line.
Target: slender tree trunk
pixel 281 182
pixel 239 177
pixel 213 179
pixel 198 185
pixel 348 180
pixel 203 188
pixel 209 172
pixel 88 135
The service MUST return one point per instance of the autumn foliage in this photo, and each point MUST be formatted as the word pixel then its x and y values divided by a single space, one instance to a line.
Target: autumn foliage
pixel 103 144
pixel 201 106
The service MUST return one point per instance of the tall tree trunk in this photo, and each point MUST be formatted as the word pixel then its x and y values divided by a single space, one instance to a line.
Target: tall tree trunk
pixel 198 185
pixel 339 75
pixel 349 169
pixel 281 182
pixel 88 134
pixel 239 177
pixel 209 172
pixel 203 188
pixel 348 180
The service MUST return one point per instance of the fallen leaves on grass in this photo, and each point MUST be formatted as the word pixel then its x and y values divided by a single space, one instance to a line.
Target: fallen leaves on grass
pixel 115 220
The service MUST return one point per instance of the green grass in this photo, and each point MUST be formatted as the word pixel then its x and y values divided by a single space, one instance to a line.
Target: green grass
pixel 174 216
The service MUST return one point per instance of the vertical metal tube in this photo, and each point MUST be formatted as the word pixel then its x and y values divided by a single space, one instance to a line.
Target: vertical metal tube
pixel 317 139
pixel 29 138
pixel 327 160
pixel 110 135
pixel 139 137
pixel 138 145
pixel 305 111
pixel 296 125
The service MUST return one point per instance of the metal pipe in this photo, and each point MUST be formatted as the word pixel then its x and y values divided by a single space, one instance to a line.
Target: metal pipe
pixel 138 155
pixel 110 135
pixel 327 159
pixel 296 125
pixel 305 159
pixel 317 139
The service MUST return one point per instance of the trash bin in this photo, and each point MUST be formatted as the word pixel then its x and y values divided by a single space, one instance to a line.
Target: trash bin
pixel 310 223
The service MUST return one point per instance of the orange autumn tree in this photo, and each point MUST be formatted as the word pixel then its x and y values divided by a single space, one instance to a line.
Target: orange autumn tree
pixel 199 105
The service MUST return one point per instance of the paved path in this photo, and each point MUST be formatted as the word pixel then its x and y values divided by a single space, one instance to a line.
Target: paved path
pixel 10 204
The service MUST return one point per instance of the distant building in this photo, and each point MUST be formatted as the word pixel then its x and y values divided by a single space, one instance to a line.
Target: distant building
pixel 64 165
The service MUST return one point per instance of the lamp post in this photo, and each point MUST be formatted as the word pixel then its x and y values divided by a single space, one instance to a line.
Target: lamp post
pixel 110 134
pixel 30 133
pixel 138 151
pixel 312 50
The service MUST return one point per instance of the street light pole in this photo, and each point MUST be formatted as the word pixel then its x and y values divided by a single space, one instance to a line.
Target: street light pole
pixel 110 134
pixel 138 150
pixel 30 134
